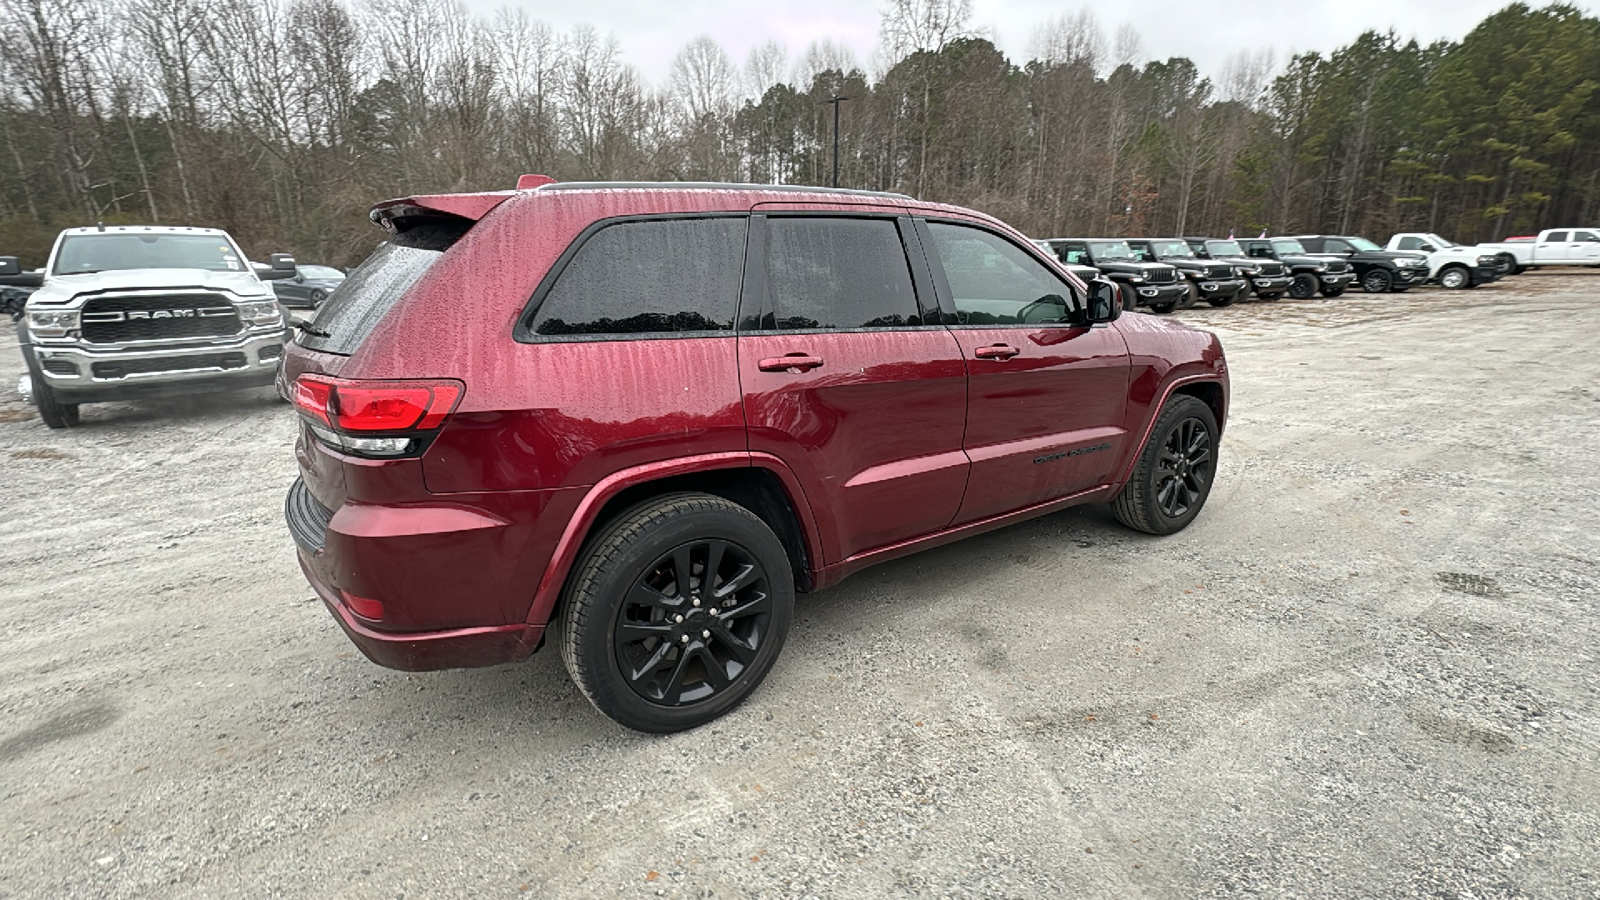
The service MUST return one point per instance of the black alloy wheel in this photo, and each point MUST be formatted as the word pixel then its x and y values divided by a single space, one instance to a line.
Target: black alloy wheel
pixel 676 612
pixel 1174 472
pixel 1304 286
pixel 1377 281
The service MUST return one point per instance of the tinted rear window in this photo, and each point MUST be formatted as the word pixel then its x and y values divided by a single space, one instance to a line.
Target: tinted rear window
pixel 361 301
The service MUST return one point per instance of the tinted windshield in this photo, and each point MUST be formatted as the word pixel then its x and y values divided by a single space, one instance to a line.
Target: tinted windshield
pixel 1287 246
pixel 1104 250
pixel 1363 244
pixel 1171 248
pixel 325 273
pixel 83 253
pixel 1224 248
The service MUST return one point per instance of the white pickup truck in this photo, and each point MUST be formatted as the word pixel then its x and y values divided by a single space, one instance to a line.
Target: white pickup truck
pixel 1553 247
pixel 1451 264
pixel 135 310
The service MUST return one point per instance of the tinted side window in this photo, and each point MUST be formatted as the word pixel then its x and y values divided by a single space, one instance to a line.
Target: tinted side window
pixel 1556 237
pixel 993 282
pixel 1410 243
pixel 653 277
pixel 1585 236
pixel 838 273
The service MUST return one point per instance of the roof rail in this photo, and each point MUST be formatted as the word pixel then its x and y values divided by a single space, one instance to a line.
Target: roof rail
pixel 711 186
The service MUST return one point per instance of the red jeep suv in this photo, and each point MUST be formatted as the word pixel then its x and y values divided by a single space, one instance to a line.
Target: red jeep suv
pixel 656 412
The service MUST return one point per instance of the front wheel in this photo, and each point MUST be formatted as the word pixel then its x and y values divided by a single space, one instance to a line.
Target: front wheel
pixel 53 412
pixel 1191 296
pixel 1455 278
pixel 1304 286
pixel 317 297
pixel 676 612
pixel 1377 281
pixel 1173 475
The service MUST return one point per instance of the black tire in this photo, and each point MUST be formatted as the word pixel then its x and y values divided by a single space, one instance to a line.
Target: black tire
pixel 1331 293
pixel 1191 296
pixel 1508 264
pixel 317 297
pixel 1173 475
pixel 53 412
pixel 1304 286
pixel 1377 281
pixel 1130 299
pixel 629 575
pixel 1455 278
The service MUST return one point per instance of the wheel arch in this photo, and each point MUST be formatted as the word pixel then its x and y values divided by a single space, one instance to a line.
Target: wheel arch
pixel 1206 388
pixel 760 483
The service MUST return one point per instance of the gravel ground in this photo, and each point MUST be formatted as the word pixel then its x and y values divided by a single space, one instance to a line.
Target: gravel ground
pixel 1368 669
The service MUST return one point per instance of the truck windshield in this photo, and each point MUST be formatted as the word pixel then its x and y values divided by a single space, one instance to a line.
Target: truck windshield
pixel 1171 248
pixel 1362 244
pixel 84 253
pixel 1224 248
pixel 1284 245
pixel 1108 250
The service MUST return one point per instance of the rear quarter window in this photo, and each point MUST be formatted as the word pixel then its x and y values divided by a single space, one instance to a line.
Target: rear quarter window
pixel 653 277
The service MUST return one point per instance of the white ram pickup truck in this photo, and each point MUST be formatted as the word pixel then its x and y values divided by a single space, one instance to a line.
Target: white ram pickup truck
pixel 1451 264
pixel 1553 247
pixel 138 310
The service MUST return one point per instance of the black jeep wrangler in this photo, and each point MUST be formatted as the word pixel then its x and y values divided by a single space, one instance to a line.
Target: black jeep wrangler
pixel 1308 274
pixel 1217 283
pixel 1268 279
pixel 1154 285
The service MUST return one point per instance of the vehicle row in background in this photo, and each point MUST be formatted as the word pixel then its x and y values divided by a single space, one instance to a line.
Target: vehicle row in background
pixel 1150 284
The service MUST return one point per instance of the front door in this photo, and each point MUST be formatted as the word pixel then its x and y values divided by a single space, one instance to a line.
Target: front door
pixel 1045 400
pixel 849 382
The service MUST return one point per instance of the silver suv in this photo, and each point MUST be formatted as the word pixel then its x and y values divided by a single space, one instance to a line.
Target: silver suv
pixel 140 310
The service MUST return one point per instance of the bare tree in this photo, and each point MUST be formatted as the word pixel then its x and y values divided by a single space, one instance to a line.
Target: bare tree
pixel 764 67
pixel 47 49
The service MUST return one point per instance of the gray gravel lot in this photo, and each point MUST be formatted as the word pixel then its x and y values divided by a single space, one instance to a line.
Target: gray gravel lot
pixel 1369 669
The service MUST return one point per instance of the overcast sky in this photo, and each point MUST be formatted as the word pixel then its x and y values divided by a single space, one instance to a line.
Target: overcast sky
pixel 651 32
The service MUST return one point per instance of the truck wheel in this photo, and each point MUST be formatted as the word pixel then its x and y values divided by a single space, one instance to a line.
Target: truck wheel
pixel 1508 264
pixel 1455 278
pixel 1130 300
pixel 1304 286
pixel 1377 281
pixel 54 413
pixel 1173 475
pixel 676 611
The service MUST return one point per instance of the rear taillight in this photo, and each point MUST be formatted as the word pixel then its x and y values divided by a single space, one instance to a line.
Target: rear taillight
pixel 375 418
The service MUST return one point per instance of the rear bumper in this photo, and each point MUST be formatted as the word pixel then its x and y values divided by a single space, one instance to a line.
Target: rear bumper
pixel 459 648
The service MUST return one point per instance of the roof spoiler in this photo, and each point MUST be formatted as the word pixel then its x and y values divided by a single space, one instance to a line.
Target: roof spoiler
pixel 398 215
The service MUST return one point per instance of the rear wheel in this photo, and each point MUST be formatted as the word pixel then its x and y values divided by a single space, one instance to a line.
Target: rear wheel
pixel 1455 277
pixel 1304 286
pixel 1173 475
pixel 317 297
pixel 1130 300
pixel 1191 296
pixel 1377 281
pixel 676 612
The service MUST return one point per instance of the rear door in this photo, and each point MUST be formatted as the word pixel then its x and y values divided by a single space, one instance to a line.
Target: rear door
pixel 1045 399
pixel 1553 248
pixel 849 380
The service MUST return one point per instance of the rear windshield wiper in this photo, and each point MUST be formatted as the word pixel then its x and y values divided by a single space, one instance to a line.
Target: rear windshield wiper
pixel 311 329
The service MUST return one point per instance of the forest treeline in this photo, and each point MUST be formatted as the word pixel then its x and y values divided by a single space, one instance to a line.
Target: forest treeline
pixel 284 120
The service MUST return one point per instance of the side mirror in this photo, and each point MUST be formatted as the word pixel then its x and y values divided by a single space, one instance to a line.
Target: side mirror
pixel 1427 248
pixel 1105 302
pixel 283 266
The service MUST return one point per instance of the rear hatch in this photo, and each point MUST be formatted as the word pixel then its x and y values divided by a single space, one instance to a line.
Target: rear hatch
pixel 422 230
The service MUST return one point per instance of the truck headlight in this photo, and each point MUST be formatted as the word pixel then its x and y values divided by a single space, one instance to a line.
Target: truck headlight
pixel 53 322
pixel 263 312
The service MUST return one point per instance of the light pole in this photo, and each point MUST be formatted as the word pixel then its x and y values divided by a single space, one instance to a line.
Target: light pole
pixel 836 100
